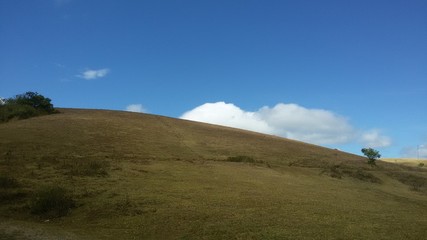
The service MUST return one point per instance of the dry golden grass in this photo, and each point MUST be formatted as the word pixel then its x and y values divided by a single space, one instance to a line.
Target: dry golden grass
pixel 139 176
pixel 407 161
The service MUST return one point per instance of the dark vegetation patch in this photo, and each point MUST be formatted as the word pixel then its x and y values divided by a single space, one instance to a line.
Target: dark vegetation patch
pixel 9 190
pixel 12 195
pixel 362 175
pixel 23 106
pixel 415 182
pixel 8 182
pixel 309 162
pixel 242 158
pixel 247 159
pixel 337 171
pixel 51 201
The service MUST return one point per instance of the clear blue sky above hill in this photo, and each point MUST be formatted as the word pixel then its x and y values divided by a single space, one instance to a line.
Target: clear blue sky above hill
pixel 342 74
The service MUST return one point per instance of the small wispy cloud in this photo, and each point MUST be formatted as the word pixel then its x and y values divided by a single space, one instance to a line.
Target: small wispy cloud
pixel 374 138
pixel 136 108
pixel 94 74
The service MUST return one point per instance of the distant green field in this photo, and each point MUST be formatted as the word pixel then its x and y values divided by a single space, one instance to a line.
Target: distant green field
pixel 140 176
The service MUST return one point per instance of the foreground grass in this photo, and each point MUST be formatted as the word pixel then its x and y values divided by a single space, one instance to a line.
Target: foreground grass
pixel 217 200
pixel 126 184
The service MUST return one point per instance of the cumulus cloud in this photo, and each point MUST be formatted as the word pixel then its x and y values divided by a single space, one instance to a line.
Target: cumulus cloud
pixel 309 125
pixel 373 138
pixel 135 108
pixel 287 120
pixel 94 74
pixel 317 126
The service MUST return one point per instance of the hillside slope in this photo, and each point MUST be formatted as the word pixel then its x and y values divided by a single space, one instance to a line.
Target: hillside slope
pixel 146 176
pixel 143 136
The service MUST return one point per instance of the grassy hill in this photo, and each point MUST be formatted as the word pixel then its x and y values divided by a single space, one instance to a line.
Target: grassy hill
pixel 141 176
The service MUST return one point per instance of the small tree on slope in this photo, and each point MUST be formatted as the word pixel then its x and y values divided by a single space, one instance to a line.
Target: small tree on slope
pixel 372 155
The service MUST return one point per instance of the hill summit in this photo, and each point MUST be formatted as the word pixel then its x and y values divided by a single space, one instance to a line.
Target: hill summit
pixel 132 175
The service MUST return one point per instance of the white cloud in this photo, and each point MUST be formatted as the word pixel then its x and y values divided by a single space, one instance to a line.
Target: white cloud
pixel 287 120
pixel 136 108
pixel 228 114
pixel 309 125
pixel 317 126
pixel 94 74
pixel 373 138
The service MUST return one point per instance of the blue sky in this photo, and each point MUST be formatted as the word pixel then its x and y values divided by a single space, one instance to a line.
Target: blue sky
pixel 342 74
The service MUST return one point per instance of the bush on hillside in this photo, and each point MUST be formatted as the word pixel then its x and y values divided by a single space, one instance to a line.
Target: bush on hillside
pixel 10 111
pixel 23 106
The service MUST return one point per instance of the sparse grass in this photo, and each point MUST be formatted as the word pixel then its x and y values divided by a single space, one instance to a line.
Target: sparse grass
pixel 92 167
pixel 150 194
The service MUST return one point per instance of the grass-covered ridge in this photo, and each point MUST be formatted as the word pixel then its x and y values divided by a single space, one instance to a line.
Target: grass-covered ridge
pixel 127 175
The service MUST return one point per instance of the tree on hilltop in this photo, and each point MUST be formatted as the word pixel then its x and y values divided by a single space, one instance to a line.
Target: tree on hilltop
pixel 22 106
pixel 33 99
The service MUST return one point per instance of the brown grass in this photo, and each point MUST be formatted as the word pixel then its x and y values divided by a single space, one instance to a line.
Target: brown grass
pixel 167 179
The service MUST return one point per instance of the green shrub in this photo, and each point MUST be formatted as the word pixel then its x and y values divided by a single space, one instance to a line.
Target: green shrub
pixel 421 164
pixel 372 155
pixel 51 201
pixel 33 99
pixel 23 106
pixel 11 111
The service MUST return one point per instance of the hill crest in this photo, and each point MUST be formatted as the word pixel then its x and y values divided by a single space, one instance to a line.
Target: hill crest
pixel 106 132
